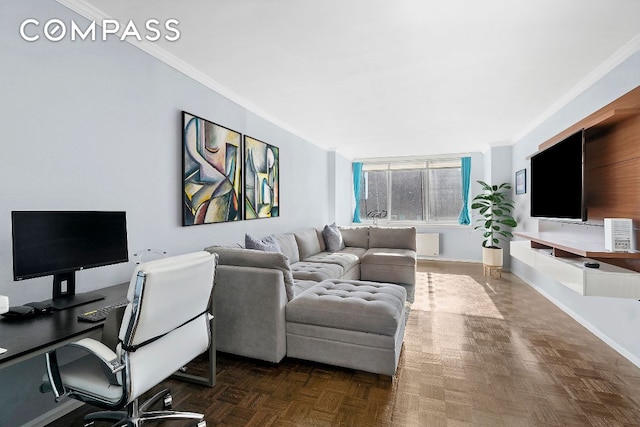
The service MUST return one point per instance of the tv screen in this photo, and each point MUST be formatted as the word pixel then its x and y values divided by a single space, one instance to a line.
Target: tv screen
pixel 557 180
pixel 51 242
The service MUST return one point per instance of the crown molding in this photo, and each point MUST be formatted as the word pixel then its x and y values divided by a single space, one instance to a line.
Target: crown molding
pixel 94 14
pixel 603 69
pixel 85 9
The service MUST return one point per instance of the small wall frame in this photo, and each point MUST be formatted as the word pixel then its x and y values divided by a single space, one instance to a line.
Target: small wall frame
pixel 521 181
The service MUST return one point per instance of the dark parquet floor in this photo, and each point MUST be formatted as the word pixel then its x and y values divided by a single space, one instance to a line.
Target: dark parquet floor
pixel 478 352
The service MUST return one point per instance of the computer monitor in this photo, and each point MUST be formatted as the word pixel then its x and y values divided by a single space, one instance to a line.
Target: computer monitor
pixel 59 243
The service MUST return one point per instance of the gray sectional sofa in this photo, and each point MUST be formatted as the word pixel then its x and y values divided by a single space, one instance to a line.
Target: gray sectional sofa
pixel 343 307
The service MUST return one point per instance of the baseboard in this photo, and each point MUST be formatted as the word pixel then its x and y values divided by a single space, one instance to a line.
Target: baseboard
pixel 60 410
pixel 595 331
pixel 425 258
pixel 467 261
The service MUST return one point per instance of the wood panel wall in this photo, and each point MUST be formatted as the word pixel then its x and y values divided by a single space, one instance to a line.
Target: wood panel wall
pixel 630 100
pixel 612 172
pixel 612 158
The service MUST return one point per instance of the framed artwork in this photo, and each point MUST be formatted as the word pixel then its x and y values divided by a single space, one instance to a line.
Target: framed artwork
pixel 521 181
pixel 212 166
pixel 261 179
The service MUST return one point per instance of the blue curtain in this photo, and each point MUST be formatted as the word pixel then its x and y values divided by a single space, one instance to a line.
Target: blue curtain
pixel 466 178
pixel 357 177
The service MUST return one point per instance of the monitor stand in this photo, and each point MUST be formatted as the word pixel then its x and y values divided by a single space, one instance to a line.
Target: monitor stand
pixel 64 292
pixel 69 301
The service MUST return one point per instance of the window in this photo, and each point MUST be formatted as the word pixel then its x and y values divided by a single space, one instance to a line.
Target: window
pixel 428 191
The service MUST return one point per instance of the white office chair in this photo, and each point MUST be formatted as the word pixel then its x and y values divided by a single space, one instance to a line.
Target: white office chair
pixel 165 325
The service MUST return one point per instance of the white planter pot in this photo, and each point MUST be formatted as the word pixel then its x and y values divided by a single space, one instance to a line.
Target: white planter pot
pixel 492 257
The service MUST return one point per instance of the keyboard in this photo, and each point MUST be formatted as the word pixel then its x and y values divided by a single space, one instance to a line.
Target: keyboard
pixel 101 313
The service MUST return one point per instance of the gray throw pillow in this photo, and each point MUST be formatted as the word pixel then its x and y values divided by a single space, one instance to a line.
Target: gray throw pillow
pixel 267 244
pixel 332 238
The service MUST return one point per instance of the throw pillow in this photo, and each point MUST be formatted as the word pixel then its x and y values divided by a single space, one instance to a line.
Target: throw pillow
pixel 288 246
pixel 333 238
pixel 308 242
pixel 267 244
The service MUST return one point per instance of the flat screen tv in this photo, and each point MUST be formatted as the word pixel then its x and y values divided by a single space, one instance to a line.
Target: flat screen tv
pixel 59 243
pixel 557 180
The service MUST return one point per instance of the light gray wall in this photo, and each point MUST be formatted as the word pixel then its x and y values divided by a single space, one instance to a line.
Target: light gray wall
pixel 97 126
pixel 615 320
pixel 498 164
pixel 499 168
pixel 343 190
pixel 94 125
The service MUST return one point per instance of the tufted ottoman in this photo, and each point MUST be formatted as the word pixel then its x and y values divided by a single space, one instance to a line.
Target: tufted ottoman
pixel 315 271
pixel 349 323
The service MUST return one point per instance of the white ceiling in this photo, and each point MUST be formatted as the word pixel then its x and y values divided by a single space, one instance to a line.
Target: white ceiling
pixel 385 78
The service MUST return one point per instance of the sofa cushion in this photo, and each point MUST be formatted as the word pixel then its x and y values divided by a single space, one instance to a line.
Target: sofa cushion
pixel 355 236
pixel 400 274
pixel 386 256
pixel 344 259
pixel 323 246
pixel 315 271
pixel 308 243
pixel 332 238
pixel 289 247
pixel 353 305
pixel 256 258
pixel 268 244
pixel 395 238
pixel 359 252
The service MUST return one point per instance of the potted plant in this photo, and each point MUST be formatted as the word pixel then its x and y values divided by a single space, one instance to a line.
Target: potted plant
pixel 494 207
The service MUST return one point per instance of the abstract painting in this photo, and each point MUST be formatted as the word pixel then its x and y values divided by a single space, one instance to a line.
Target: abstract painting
pixel 261 180
pixel 212 179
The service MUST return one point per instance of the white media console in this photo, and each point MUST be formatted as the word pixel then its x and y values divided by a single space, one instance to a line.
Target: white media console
pixel 566 266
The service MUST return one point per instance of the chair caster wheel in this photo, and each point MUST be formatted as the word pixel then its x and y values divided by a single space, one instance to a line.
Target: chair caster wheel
pixel 202 423
pixel 167 402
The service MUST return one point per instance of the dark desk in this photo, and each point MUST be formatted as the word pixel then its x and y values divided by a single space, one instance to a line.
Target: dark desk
pixel 28 338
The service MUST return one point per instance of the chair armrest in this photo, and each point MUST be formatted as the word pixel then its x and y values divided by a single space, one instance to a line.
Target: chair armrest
pixel 101 351
pixel 53 373
pixel 95 348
